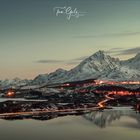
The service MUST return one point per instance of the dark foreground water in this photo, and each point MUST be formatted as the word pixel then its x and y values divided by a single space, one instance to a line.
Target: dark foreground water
pixel 108 125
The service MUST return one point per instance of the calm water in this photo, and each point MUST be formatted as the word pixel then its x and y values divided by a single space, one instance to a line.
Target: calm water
pixel 108 125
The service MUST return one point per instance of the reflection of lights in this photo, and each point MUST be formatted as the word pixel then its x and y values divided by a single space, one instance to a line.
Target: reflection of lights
pixel 121 93
pixel 69 110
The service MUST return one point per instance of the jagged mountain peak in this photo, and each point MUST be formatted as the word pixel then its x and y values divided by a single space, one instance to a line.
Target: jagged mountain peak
pixel 98 55
pixel 99 61
pixel 100 65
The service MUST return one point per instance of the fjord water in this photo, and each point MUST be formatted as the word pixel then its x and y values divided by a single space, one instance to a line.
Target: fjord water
pixel 106 125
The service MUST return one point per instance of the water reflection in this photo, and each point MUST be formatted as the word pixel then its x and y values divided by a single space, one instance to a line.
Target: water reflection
pixel 118 124
pixel 107 117
pixel 101 119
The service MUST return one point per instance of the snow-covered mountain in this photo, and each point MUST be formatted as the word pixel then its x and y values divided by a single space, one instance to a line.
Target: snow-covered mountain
pixel 133 63
pixel 58 76
pixel 99 65
pixel 14 83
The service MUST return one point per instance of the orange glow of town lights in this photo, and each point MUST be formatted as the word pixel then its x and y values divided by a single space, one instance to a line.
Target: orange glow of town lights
pixel 101 105
pixel 67 84
pixel 98 82
pixel 10 93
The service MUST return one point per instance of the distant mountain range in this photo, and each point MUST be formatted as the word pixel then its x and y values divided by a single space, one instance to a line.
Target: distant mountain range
pixel 99 66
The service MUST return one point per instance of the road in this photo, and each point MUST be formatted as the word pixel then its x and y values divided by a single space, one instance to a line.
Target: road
pixel 101 104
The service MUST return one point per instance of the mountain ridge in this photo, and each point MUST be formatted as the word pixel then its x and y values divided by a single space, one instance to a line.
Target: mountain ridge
pixel 100 65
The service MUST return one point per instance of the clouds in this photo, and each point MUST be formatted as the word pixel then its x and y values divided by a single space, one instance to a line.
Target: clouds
pixel 122 51
pixel 68 62
pixel 130 51
pixel 118 51
pixel 117 34
pixel 50 61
